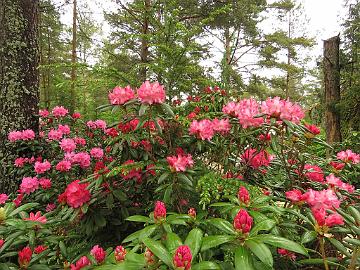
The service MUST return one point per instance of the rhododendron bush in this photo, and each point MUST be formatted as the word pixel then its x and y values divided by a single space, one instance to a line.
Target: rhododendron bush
pixel 211 182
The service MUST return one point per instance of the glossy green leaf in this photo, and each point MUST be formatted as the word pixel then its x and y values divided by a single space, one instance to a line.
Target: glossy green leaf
pixel 223 225
pixel 159 251
pixel 138 218
pixel 172 242
pixel 261 251
pixel 215 240
pixel 280 242
pixel 23 208
pixel 194 240
pixel 264 225
pixel 243 260
pixel 205 265
pixel 308 236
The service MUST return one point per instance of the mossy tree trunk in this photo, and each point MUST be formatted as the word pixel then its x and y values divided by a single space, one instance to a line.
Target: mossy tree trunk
pixel 19 78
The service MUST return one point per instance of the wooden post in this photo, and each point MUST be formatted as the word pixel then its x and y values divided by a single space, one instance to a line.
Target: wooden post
pixel 332 89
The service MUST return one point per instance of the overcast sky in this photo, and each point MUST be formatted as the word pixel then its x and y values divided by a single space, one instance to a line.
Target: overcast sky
pixel 324 20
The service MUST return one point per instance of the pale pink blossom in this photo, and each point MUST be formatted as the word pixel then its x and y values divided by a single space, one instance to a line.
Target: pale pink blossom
pixel 97 153
pixel 82 158
pixel 28 134
pixel 326 199
pixel 68 145
pixel 203 129
pixel 3 198
pixel 64 129
pixel 180 162
pixel 55 134
pixel 29 184
pixel 59 111
pixel 63 166
pixel 44 113
pixel 223 125
pixel 348 156
pixel 36 217
pixel 282 109
pixel 41 167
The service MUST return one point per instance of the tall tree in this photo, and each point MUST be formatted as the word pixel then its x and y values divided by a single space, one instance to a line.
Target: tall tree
pixel 19 76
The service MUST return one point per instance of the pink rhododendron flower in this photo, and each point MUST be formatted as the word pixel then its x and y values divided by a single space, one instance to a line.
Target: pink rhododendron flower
pixel 182 258
pixel 179 163
pixel 313 129
pixel 3 198
pixel 76 115
pixel 265 137
pixel 77 194
pixel 223 125
pixel 81 263
pixel 203 129
pixel 98 253
pixel 29 184
pixel 80 141
pixel 45 183
pixel 326 199
pixel 112 132
pixel 243 195
pixel 246 110
pixel 44 113
pixel 39 249
pixel 131 173
pixel 55 135
pixel 255 158
pixel 24 257
pixel 294 195
pixel 338 166
pixel 192 212
pixel 243 221
pixel 2 241
pixel 63 166
pixel 28 134
pixel 119 95
pixel 333 220
pixel 97 124
pixel 19 162
pixel 82 158
pixel 64 129
pixel 151 93
pixel 149 256
pixel 348 156
pixel 286 253
pixel 120 253
pixel 50 207
pixel 18 199
pixel 314 173
pixel 59 111
pixel 282 109
pixel 36 217
pixel 41 167
pixel 68 145
pixel 333 181
pixel 15 136
pixel 97 153
pixel 159 211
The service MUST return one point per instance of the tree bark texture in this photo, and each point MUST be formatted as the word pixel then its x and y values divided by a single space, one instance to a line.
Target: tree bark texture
pixel 332 89
pixel 144 42
pixel 73 59
pixel 19 79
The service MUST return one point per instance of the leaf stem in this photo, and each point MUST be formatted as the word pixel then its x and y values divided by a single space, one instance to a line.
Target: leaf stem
pixel 322 250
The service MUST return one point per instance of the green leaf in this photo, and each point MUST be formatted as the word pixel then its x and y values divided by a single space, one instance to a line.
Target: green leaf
pixel 126 265
pixel 223 225
pixel 205 265
pixel 3 266
pixel 143 109
pixel 185 179
pixel 138 218
pixel 172 241
pixel 264 225
pixel 163 177
pixel 330 261
pixel 280 242
pixel 63 249
pixel 39 267
pixel 221 204
pixel 261 251
pixel 194 240
pixel 308 236
pixel 167 109
pixel 23 208
pixel 159 250
pixel 339 246
pixel 215 240
pixel 243 260
pixel 355 213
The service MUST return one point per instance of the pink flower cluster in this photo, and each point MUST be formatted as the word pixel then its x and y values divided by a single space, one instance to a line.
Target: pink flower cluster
pixel 314 173
pixel 182 258
pixel 98 253
pixel 81 158
pixel 29 184
pixel 119 95
pixel 334 181
pixel 282 109
pixel 151 93
pixel 348 156
pixel 3 198
pixel 75 194
pixel 81 263
pixel 246 110
pixel 159 211
pixel 286 253
pixel 59 111
pixel 97 124
pixel 97 152
pixel 41 167
pixel 243 221
pixel 255 158
pixel 68 145
pixel 20 161
pixel 244 196
pixel 24 257
pixel 180 162
pixel 205 129
pixel 119 253
pixel 25 135
pixel 63 166
pixel 36 217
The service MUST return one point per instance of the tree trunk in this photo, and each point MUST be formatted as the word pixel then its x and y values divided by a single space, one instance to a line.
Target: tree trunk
pixel 19 77
pixel 144 42
pixel 332 89
pixel 73 60
pixel 227 60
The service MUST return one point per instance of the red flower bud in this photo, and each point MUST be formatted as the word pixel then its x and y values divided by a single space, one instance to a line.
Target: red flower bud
pixel 244 196
pixel 182 258
pixel 159 211
pixel 243 221
pixel 120 253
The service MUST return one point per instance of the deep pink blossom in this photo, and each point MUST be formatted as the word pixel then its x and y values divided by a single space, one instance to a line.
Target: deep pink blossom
pixel 81 263
pixel 39 249
pixel 326 199
pixel 63 166
pixel 294 195
pixel 28 134
pixel 313 129
pixel 24 257
pixel 119 95
pixel 44 113
pixel 333 220
pixel 255 158
pixel 76 115
pixel 50 207
pixel 203 129
pixel 98 253
pixel 243 195
pixel 151 93
pixel 97 152
pixel 192 212
pixel 20 162
pixel 59 111
pixel 223 125
pixel 246 110
pixel 3 198
pixel 159 211
pixel 80 141
pixel 243 221
pixel 182 258
pixel 55 135
pixel 36 217
pixel 68 145
pixel 82 158
pixel 120 253
pixel 15 136
pixel 45 183
pixel 314 173
pixel 77 194
pixel 29 184
pixel 41 167
pixel 286 253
